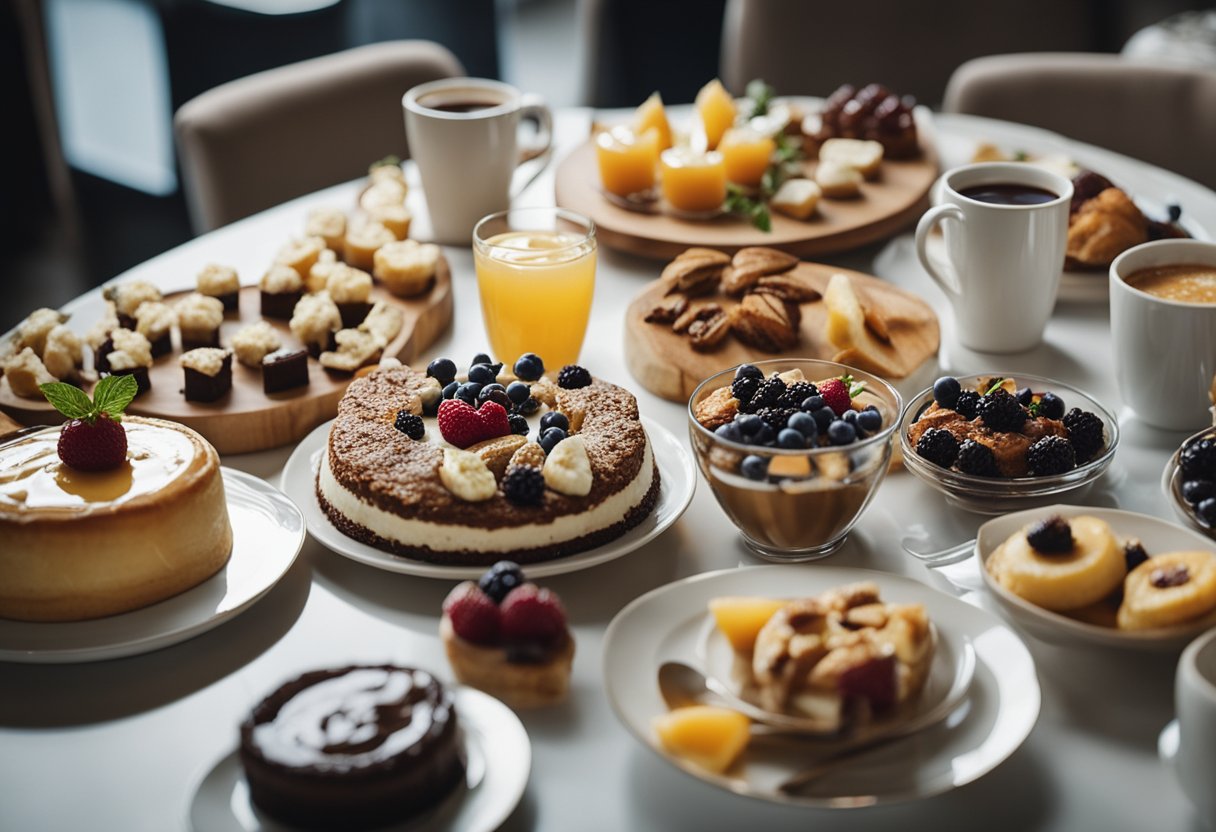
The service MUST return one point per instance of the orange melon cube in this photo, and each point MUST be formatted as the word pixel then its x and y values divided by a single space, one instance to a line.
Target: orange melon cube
pixel 628 161
pixel 710 737
pixel 747 155
pixel 740 618
pixel 651 116
pixel 694 183
pixel 717 110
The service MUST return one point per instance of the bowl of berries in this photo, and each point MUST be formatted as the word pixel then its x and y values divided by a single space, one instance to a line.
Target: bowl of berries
pixel 1189 481
pixel 995 444
pixel 793 450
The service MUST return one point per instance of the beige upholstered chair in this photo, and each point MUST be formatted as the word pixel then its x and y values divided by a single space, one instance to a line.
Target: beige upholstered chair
pixel 257 141
pixel 1164 114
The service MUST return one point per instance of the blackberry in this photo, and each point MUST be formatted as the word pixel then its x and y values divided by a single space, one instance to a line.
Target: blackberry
pixel 938 446
pixel 766 395
pixel 409 424
pixel 965 406
pixel 797 393
pixel 572 377
pixel 1051 455
pixel 1052 536
pixel 1134 554
pixel 744 387
pixel 1196 491
pixel 776 417
pixel 976 458
pixel 523 485
pixel 518 424
pixel 1087 435
pixel 1001 411
pixel 1198 458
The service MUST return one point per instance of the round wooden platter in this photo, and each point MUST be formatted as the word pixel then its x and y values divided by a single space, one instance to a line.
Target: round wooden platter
pixel 665 363
pixel 887 205
pixel 246 418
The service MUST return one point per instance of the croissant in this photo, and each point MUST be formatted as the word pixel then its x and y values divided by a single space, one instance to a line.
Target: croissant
pixel 1103 228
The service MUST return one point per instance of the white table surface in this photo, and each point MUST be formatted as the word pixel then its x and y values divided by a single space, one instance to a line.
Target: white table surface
pixel 120 745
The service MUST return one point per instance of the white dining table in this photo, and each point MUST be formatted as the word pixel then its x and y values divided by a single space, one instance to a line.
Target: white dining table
pixel 122 744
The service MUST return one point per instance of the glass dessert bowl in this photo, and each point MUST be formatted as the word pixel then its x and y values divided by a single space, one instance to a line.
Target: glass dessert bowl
pixel 1189 481
pixel 793 490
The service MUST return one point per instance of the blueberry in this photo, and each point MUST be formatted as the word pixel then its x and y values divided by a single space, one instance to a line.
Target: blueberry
pixel 554 419
pixel 549 438
pixel 841 432
pixel 500 579
pixel 481 358
pixel 805 424
pixel 754 467
pixel 824 416
pixel 1196 491
pixel 749 371
pixel 468 391
pixel 1024 396
pixel 518 392
pixel 494 386
pixel 850 416
pixel 482 374
pixel 450 389
pixel 790 438
pixel 813 403
pixel 442 370
pixel 1174 211
pixel 869 420
pixel 946 391
pixel 490 394
pixel 528 406
pixel 518 424
pixel 763 436
pixel 1051 406
pixel 529 367
pixel 1207 511
pixel 749 423
pixel 730 432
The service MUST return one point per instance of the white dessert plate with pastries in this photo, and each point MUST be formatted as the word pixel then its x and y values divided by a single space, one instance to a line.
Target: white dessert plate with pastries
pixel 267 534
pixel 1156 535
pixel 677 476
pixel 498 759
pixel 991 722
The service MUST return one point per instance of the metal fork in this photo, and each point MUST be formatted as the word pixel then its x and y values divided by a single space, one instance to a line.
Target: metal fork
pixel 942 557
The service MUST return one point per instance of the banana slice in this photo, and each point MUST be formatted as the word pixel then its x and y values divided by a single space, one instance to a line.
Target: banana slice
pixel 850 331
pixel 568 468
pixel 1169 589
pixel 1060 582
pixel 862 155
pixel 466 476
pixel 797 198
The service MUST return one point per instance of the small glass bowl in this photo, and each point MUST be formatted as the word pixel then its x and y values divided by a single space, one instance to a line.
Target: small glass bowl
pixel 997 495
pixel 812 497
pixel 1171 484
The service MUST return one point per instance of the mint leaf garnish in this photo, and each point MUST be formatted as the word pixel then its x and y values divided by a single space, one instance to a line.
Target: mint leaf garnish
pixel 68 400
pixel 113 394
pixel 995 384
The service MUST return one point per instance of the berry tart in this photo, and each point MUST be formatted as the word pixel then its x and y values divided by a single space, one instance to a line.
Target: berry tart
pixel 106 513
pixel 494 464
pixel 509 638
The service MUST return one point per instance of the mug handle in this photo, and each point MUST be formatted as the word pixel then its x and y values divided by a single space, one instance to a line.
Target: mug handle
pixel 533 108
pixel 936 214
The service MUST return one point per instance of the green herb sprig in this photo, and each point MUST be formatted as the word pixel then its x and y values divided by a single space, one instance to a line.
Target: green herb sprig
pixel 111 397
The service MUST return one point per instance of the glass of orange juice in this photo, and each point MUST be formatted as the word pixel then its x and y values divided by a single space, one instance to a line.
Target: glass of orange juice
pixel 536 276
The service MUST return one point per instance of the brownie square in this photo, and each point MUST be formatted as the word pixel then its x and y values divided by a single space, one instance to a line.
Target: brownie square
pixel 201 387
pixel 353 313
pixel 142 381
pixel 284 369
pixel 231 301
pixel 162 345
pixel 280 305
pixel 193 339
pixel 101 362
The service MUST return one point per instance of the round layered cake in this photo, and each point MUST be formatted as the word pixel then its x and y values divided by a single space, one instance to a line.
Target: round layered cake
pixel 424 498
pixel 80 544
pixel 352 748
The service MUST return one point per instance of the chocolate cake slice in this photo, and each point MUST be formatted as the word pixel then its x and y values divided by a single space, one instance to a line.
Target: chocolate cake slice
pixel 208 373
pixel 284 369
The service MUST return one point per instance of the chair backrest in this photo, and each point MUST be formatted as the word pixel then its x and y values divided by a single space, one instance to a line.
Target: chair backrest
pixel 1164 114
pixel 257 141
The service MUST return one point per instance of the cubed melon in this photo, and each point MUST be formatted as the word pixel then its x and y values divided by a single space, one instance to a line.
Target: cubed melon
pixel 740 618
pixel 710 737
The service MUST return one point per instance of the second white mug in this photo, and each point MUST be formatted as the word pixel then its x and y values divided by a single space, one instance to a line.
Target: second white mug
pixel 1005 253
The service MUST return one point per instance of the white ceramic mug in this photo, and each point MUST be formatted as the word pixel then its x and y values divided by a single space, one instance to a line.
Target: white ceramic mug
pixel 1195 701
pixel 1165 350
pixel 1004 261
pixel 467 153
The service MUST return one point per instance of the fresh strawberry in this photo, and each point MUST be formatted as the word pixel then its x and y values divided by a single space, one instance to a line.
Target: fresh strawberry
pixel 473 615
pixel 535 615
pixel 835 393
pixel 93 439
pixel 463 426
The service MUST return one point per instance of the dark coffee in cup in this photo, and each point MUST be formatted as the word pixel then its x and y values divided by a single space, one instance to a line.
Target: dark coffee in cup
pixel 462 106
pixel 1002 193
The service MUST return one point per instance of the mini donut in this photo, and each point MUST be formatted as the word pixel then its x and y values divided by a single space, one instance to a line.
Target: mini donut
pixel 1084 575
pixel 1169 589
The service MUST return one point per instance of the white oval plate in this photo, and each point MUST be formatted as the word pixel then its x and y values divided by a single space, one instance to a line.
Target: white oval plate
pixel 1157 535
pixel 678 478
pixel 267 533
pixel 498 760
pixel 998 713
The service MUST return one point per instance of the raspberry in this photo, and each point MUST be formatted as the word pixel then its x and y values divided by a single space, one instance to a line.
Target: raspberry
pixel 966 404
pixel 767 394
pixel 976 459
pixel 1052 536
pixel 523 485
pixel 572 377
pixel 1001 411
pixel 1198 459
pixel 744 387
pixel 518 424
pixel 409 424
pixel 797 393
pixel 835 393
pixel 473 614
pixel 463 426
pixel 776 417
pixel 500 579
pixel 532 614
pixel 99 446
pixel 1051 455
pixel 1086 433
pixel 938 446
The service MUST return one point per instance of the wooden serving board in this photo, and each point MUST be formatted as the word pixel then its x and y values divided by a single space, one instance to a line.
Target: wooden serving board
pixel 893 201
pixel 665 363
pixel 246 419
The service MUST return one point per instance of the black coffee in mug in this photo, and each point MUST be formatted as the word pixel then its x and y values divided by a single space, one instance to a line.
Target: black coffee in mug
pixel 463 106
pixel 1007 193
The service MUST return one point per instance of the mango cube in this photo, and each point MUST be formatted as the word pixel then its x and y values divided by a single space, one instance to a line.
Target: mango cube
pixel 710 737
pixel 717 110
pixel 740 618
pixel 651 116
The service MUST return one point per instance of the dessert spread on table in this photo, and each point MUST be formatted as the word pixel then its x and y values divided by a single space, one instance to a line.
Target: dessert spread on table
pixel 494 464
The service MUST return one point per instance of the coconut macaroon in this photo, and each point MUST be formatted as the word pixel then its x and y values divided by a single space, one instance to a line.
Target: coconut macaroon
pixel 100 331
pixel 25 372
pixel 383 322
pixel 222 283
pixel 300 254
pixel 329 224
pixel 255 342
pixel 318 275
pixel 155 320
pixel 385 190
pixel 131 355
pixel 386 169
pixel 32 332
pixel 314 321
pixel 406 267
pixel 199 318
pixel 396 218
pixel 281 288
pixel 354 349
pixel 63 354
pixel 208 373
pixel 351 289
pixel 128 296
pixel 363 240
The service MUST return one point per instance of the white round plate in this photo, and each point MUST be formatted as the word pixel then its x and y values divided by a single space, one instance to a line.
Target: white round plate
pixel 498 759
pixel 1157 535
pixel 996 716
pixel 267 533
pixel 677 475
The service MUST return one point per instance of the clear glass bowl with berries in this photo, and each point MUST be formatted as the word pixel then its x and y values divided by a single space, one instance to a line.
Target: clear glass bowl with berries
pixel 995 443
pixel 793 450
pixel 1189 481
